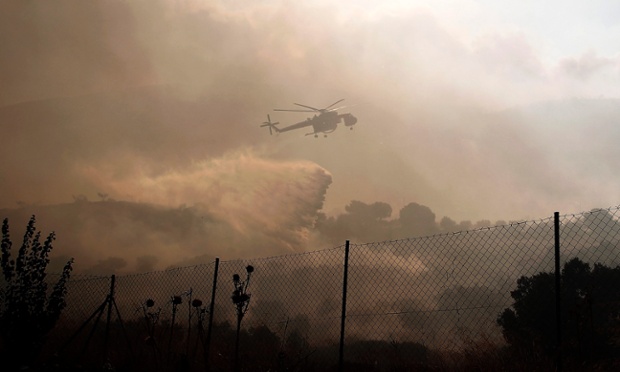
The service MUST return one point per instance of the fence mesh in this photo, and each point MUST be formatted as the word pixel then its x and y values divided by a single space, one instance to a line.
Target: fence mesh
pixel 441 292
pixel 424 302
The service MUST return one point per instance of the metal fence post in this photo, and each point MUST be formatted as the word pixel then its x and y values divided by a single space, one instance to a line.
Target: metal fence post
pixel 344 306
pixel 108 318
pixel 207 346
pixel 558 294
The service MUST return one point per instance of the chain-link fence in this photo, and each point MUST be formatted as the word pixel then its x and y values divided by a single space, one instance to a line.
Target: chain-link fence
pixel 482 299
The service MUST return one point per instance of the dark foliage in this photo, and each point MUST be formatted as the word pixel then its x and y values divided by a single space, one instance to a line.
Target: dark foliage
pixel 241 300
pixel 590 308
pixel 28 311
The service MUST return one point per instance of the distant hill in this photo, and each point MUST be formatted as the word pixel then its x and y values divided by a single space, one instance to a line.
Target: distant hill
pixel 112 236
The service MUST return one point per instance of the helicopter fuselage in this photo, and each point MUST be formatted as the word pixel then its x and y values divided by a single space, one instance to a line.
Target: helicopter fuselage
pixel 325 121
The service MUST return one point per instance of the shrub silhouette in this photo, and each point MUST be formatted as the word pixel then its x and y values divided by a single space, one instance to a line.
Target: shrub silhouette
pixel 590 312
pixel 241 300
pixel 28 311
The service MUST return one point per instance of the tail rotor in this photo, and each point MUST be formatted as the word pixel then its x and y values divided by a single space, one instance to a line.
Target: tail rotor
pixel 271 125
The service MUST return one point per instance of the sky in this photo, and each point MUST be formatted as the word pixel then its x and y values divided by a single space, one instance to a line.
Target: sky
pixel 478 110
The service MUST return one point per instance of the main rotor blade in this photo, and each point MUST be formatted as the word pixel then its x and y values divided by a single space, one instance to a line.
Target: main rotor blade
pixel 337 108
pixel 295 110
pixel 310 107
pixel 341 107
pixel 334 104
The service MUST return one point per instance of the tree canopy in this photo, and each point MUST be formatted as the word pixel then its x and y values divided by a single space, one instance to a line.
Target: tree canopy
pixel 590 312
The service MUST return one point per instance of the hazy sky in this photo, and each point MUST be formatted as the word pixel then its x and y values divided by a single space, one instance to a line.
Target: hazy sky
pixel 477 109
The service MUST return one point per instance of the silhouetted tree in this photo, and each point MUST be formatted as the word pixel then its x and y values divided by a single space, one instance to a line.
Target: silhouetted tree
pixel 591 312
pixel 417 220
pixel 374 211
pixel 448 225
pixel 28 311
pixel 365 222
pixel 241 300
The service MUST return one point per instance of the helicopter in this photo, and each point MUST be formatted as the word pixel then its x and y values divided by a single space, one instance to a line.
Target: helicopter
pixel 325 121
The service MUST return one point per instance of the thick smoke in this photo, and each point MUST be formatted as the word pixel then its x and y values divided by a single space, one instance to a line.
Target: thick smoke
pixel 134 127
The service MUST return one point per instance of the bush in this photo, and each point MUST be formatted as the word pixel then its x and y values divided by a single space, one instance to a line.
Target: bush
pixel 590 313
pixel 28 311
